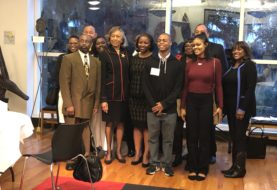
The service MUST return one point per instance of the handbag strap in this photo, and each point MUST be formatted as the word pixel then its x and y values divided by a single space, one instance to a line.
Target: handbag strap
pixel 92 141
pixel 214 93
pixel 214 73
pixel 252 130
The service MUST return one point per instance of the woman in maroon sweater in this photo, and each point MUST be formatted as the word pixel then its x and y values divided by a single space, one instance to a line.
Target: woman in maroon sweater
pixel 202 78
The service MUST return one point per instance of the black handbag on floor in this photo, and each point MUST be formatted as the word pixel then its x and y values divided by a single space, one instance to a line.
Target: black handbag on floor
pixel 95 167
pixel 94 164
pixel 256 144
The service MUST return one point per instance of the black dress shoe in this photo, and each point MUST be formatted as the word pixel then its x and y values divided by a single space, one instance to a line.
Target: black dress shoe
pixel 177 161
pixel 108 161
pixel 212 160
pixel 121 160
pixel 145 165
pixel 237 173
pixel 131 153
pixel 136 162
pixel 201 177
pixel 229 171
pixel 192 175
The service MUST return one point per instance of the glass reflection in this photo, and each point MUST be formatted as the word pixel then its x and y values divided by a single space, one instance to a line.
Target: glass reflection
pixel 260 30
pixel 266 90
pixel 68 17
pixel 220 17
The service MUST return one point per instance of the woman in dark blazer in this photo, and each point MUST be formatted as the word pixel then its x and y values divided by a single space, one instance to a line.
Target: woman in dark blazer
pixel 114 90
pixel 239 84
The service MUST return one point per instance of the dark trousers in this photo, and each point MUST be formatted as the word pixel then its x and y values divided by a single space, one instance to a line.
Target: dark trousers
pixel 237 130
pixel 178 137
pixel 199 121
pixel 213 148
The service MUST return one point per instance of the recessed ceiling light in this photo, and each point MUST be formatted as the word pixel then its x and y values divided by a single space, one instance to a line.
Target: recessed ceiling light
pixel 94 8
pixel 94 2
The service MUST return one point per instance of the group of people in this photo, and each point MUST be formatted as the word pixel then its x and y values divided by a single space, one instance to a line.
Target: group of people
pixel 159 92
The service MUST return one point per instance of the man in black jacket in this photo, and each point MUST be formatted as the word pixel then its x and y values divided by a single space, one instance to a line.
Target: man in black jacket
pixel 217 51
pixel 162 82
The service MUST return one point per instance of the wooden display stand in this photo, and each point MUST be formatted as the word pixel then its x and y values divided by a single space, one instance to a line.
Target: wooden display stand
pixel 51 119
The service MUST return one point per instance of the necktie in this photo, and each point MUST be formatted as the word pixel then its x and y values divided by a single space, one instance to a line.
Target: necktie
pixel 86 66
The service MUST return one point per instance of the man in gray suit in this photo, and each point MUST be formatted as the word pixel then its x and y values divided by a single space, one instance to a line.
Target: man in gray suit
pixel 80 78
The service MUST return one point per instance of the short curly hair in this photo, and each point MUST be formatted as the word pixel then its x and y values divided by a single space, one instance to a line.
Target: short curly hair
pixel 112 30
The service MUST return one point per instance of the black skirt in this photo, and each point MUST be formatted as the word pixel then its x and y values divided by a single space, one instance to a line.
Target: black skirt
pixel 138 110
pixel 117 112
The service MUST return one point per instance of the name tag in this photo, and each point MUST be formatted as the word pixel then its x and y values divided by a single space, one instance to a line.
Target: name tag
pixel 155 71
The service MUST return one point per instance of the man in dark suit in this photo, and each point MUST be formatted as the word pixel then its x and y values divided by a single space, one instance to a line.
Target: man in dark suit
pixel 217 51
pixel 90 31
pixel 80 78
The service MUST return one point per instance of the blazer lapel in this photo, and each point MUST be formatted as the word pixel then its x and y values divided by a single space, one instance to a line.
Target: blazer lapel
pixel 91 65
pixel 92 70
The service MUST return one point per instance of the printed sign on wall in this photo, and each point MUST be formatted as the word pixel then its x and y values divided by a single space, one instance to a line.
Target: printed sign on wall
pixel 9 37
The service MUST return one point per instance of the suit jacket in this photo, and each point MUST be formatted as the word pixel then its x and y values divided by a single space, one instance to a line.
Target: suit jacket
pixel 248 81
pixel 76 89
pixel 115 75
pixel 217 51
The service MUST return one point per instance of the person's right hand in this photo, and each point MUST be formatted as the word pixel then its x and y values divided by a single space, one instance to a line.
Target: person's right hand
pixel 183 113
pixel 70 111
pixel 105 107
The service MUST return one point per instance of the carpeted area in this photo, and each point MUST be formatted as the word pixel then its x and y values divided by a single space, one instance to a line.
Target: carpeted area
pixel 67 183
pixel 128 186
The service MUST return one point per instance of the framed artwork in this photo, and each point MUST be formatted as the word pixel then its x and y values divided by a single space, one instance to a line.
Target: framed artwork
pixel 221 24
